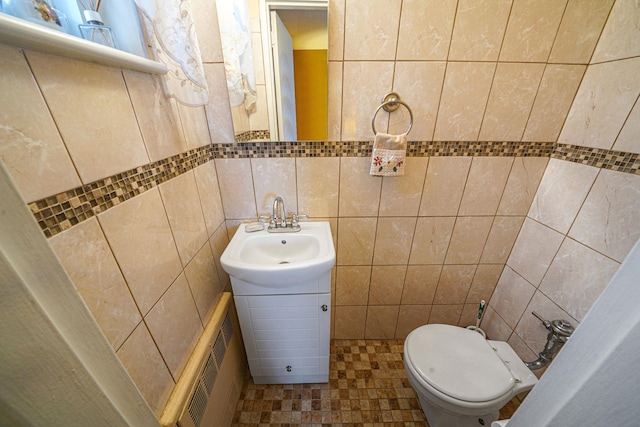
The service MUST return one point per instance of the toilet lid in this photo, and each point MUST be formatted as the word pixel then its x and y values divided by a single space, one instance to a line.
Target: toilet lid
pixel 458 362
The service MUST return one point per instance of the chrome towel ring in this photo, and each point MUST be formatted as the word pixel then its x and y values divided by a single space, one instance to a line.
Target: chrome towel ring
pixel 391 102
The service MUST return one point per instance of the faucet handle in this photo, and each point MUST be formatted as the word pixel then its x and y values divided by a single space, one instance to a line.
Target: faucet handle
pixel 544 321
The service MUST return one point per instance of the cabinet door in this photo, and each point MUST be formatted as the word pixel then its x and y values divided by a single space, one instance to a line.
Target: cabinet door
pixel 286 335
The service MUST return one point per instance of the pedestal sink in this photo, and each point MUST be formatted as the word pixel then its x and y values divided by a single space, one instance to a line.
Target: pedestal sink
pixel 280 260
pixel 282 289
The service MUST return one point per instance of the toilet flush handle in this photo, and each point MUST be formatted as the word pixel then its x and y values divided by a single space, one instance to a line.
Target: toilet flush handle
pixel 545 322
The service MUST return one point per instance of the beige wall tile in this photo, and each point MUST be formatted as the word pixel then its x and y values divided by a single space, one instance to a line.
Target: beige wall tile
pixel 468 239
pixel 182 204
pixel 359 192
pixel 524 179
pixel 157 115
pixel 464 97
pixel 361 97
pixel 431 240
pixel 494 326
pixel 534 250
pixel 576 277
pixel 393 240
pixel 175 325
pixel 381 321
pixel 609 220
pixel 356 238
pixel 485 185
pixel 605 98
pixel 386 284
pixel 30 145
pixel 562 190
pixel 512 93
pixel 579 30
pixel 444 185
pixel 205 20
pixel 521 348
pixel 371 29
pixel 140 237
pixel 420 284
pixel 410 318
pixel 334 108
pixel 511 297
pixel 350 322
pixel 419 84
pixel 272 178
pixel 195 125
pixel 448 314
pixel 502 236
pixel 336 29
pixel 210 199
pixel 619 39
pixel 454 284
pixel 401 194
pixel 101 132
pixel 318 182
pixel 479 30
pixel 217 110
pixel 553 101
pixel 236 188
pixel 629 137
pixel 87 259
pixel 425 29
pixel 352 285
pixel 205 284
pixel 219 242
pixel 143 362
pixel 484 282
pixel 541 19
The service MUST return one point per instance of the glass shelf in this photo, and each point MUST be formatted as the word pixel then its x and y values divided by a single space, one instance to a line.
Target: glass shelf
pixel 19 33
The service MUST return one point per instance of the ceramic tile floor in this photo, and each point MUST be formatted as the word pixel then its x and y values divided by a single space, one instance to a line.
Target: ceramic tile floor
pixel 367 387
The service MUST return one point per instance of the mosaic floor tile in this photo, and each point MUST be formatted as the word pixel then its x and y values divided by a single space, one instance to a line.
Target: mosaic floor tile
pixel 367 387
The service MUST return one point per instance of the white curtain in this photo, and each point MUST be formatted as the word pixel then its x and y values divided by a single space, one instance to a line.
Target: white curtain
pixel 172 36
pixel 235 35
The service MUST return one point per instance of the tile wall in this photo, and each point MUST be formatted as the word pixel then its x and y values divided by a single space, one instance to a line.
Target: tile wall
pixel 583 220
pixel 141 248
pixel 421 248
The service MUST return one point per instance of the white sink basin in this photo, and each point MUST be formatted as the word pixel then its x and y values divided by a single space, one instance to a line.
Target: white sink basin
pixel 280 260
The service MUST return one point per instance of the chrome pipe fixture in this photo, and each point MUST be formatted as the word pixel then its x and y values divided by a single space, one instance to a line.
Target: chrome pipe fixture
pixel 559 333
pixel 278 221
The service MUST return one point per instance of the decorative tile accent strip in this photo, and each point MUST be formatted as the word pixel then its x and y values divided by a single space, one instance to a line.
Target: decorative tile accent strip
pixel 253 135
pixel 607 159
pixel 62 211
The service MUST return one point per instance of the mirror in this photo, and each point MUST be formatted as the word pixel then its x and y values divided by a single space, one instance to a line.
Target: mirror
pixel 277 74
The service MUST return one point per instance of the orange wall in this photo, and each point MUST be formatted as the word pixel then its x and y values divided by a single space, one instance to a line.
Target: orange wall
pixel 310 68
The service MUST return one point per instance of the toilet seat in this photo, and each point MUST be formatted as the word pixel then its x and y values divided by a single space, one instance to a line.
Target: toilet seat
pixel 458 363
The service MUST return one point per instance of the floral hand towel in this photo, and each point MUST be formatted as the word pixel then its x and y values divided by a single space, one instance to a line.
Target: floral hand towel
pixel 388 155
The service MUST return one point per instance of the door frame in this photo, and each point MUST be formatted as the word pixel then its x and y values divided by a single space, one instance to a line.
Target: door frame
pixel 266 6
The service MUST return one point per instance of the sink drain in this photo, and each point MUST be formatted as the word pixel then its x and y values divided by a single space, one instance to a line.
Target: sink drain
pixel 283 262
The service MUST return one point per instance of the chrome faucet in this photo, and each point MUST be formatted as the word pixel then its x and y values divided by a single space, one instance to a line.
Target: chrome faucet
pixel 278 222
pixel 559 333
pixel 278 207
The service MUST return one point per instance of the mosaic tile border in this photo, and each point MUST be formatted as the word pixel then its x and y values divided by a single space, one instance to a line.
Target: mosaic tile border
pixel 606 159
pixel 253 135
pixel 59 212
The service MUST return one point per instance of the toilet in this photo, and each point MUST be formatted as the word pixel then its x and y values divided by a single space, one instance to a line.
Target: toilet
pixel 462 379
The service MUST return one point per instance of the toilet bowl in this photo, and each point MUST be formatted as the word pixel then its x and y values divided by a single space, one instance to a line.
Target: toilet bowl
pixel 462 379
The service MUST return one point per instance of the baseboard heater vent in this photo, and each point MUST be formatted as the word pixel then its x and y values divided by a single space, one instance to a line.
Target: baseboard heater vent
pixel 210 384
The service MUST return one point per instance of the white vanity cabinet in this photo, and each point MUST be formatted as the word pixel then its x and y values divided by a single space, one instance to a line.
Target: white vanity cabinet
pixel 286 337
